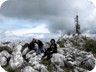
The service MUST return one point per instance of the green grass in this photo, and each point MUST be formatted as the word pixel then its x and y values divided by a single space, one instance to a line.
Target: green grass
pixel 47 63
pixel 67 69
pixel 61 43
pixel 90 45
pixel 75 43
pixel 8 69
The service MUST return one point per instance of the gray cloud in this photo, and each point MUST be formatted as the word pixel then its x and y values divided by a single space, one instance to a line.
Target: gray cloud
pixel 59 13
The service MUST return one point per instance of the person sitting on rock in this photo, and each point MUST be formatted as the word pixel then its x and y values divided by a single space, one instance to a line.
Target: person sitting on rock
pixel 40 46
pixel 52 49
pixel 31 45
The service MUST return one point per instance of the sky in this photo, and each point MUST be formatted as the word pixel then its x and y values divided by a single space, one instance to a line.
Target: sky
pixel 44 18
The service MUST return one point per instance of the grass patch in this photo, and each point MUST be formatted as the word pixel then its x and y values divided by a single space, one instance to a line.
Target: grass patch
pixel 75 43
pixel 8 69
pixel 67 69
pixel 90 45
pixel 61 43
pixel 47 63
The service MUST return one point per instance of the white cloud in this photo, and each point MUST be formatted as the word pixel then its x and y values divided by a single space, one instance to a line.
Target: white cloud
pixel 93 2
pixel 2 1
pixel 39 29
pixel 93 14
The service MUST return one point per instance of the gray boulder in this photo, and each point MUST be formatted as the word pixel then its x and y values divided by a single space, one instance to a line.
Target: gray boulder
pixel 29 69
pixel 7 47
pixel 35 60
pixel 58 61
pixel 81 69
pixel 41 68
pixel 6 54
pixel 70 64
pixel 24 52
pixel 30 55
pixel 24 45
pixel 16 60
pixel 75 70
pixel 59 50
pixel 3 60
pixel 17 48
pixel 88 64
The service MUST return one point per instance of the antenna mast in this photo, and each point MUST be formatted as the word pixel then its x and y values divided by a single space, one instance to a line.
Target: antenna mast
pixel 77 25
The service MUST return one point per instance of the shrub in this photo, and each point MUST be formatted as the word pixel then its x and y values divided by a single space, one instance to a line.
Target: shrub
pixel 61 43
pixel 75 43
pixel 90 45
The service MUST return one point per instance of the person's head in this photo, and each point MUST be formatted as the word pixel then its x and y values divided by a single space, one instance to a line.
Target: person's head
pixel 52 41
pixel 33 40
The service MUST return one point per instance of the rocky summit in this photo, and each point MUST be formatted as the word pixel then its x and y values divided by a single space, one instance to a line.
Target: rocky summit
pixel 70 58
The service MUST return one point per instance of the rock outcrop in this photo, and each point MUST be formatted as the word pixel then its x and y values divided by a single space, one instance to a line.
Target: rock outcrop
pixel 29 69
pixel 19 57
pixel 16 60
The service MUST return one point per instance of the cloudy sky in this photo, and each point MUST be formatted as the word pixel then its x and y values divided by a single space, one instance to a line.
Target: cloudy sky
pixel 45 18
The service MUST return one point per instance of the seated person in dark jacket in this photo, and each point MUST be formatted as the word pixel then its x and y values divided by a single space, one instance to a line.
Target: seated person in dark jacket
pixel 40 47
pixel 31 46
pixel 51 50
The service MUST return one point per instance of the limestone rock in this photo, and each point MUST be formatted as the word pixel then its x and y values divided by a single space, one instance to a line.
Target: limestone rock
pixel 41 68
pixel 6 54
pixel 58 60
pixel 3 60
pixel 29 69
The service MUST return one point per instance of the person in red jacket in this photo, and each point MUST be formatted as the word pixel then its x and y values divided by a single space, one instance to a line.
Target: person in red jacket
pixel 40 46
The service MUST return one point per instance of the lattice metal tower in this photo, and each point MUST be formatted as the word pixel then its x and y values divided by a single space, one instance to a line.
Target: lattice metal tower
pixel 77 26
